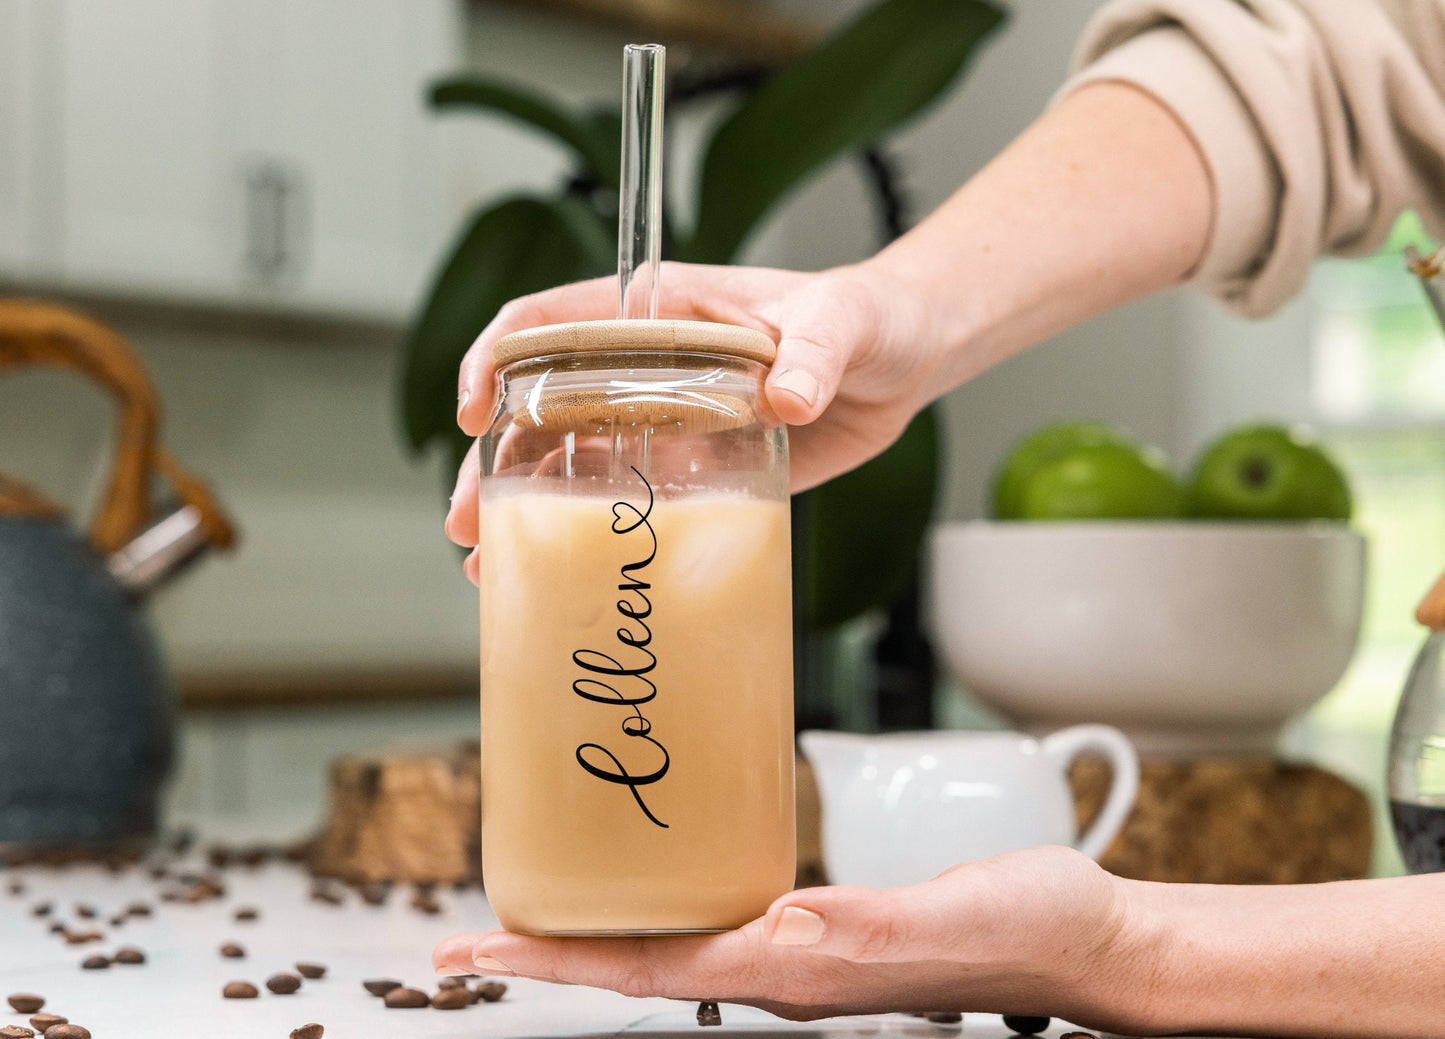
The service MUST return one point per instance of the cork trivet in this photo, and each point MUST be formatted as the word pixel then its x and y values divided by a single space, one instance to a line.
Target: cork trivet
pixel 417 818
pixel 1233 821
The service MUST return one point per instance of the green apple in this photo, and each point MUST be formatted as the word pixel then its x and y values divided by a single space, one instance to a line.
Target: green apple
pixel 1039 448
pixel 1103 481
pixel 1267 472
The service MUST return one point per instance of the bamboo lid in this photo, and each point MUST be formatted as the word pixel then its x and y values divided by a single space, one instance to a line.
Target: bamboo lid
pixel 635 337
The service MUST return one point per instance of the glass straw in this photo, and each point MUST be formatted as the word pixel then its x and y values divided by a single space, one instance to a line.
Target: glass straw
pixel 639 213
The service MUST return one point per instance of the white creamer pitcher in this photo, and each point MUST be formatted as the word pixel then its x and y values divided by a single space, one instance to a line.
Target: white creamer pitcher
pixel 900 808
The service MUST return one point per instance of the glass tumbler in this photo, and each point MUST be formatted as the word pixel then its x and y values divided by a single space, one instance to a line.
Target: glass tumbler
pixel 1417 748
pixel 636 634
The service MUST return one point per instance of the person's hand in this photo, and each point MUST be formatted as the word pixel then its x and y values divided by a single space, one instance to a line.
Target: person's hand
pixel 856 360
pixel 1043 931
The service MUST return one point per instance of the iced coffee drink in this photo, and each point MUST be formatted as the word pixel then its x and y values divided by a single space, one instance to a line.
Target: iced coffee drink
pixel 636 660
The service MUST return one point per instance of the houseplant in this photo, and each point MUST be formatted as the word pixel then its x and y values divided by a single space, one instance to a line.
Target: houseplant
pixel 870 77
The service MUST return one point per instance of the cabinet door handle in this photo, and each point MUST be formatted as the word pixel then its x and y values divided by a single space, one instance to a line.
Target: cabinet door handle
pixel 273 221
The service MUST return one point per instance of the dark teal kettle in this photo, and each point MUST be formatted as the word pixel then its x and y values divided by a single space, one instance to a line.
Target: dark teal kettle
pixel 86 705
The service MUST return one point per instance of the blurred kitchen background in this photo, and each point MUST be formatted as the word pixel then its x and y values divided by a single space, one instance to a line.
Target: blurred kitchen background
pixel 256 195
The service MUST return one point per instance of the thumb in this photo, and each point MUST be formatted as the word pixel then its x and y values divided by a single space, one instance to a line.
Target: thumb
pixel 818 339
pixel 866 925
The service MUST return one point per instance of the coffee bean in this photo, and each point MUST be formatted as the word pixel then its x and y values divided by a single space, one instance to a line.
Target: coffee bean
pixel 16 888
pixel 381 986
pixel 129 954
pixel 373 894
pixel 41 909
pixel 943 1017
pixel 452 999
pixel 138 909
pixel 283 984
pixel 325 893
pixel 81 937
pixel 219 857
pixel 26 1002
pixel 406 998
pixel 451 983
pixel 311 970
pixel 426 903
pixel 253 857
pixel 1025 1025
pixel 67 1031
pixel 85 910
pixel 708 1014
pixel 57 927
pixel 491 991
pixel 311 1031
pixel 95 963
pixel 15 1032
pixel 232 951
pixel 1078 1035
pixel 40 1022
pixel 240 990
pixel 159 872
pixel 246 914
pixel 118 921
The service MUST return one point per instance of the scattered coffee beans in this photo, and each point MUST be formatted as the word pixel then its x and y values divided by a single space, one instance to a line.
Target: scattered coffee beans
pixel 15 1032
pixel 95 963
pixel 40 1022
pixel 708 1014
pixel 129 954
pixel 1025 1025
pixel 491 991
pixel 311 1031
pixel 67 1031
pixel 240 990
pixel 283 984
pixel 311 970
pixel 401 998
pixel 452 999
pixel 381 986
pixel 943 1017
pixel 232 951
pixel 246 914
pixel 25 1002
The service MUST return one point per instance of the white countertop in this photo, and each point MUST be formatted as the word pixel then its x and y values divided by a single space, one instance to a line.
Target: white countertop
pixel 178 990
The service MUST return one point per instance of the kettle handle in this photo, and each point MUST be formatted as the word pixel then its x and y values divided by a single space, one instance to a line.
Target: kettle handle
pixel 1431 611
pixel 33 333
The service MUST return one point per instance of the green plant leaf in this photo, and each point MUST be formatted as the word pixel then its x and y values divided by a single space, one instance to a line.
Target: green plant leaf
pixel 516 247
pixel 863 530
pixel 588 140
pixel 870 77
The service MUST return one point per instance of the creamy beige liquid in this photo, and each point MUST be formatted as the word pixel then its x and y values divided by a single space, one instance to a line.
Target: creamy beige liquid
pixel 694 828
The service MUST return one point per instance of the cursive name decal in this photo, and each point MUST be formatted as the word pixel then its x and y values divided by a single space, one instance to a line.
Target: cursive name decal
pixel 621 680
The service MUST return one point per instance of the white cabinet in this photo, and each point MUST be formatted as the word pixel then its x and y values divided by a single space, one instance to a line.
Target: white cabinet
pixel 271 153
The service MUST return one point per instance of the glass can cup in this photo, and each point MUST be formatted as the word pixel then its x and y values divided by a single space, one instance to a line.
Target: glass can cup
pixel 636 631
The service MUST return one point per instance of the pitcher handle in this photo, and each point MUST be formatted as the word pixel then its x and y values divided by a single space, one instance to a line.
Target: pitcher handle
pixel 1067 744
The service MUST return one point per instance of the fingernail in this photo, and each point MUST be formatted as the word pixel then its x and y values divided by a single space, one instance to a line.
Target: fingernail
pixel 453 972
pixel 490 964
pixel 462 403
pixel 798 926
pixel 799 383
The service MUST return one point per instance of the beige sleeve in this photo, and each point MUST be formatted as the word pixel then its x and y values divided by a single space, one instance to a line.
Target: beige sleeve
pixel 1320 121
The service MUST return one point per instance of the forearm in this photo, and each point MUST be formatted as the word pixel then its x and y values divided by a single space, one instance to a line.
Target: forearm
pixel 1356 958
pixel 1103 200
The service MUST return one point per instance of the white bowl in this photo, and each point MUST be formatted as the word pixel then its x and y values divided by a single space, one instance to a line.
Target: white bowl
pixel 1192 637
